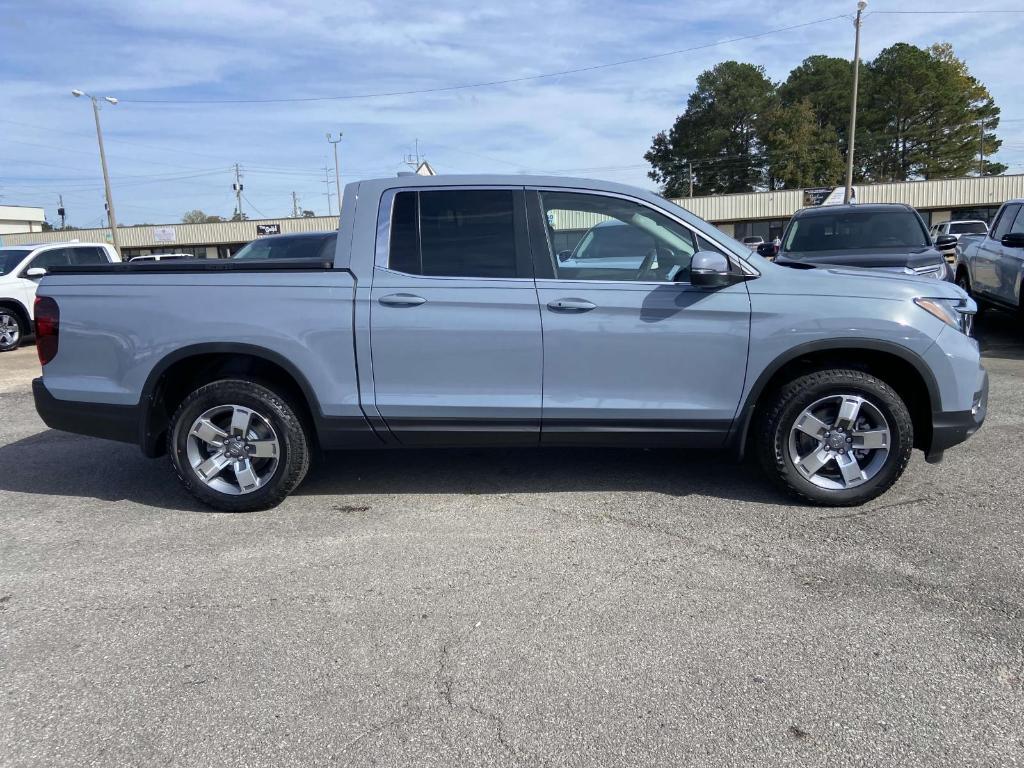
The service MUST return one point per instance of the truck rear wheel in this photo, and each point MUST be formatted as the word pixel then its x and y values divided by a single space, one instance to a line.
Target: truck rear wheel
pixel 836 437
pixel 238 446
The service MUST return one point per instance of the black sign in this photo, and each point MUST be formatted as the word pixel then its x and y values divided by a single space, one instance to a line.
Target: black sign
pixel 816 195
pixel 268 229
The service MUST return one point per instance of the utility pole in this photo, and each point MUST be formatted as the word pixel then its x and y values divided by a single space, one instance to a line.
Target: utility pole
pixel 337 173
pixel 295 206
pixel 689 167
pixel 60 210
pixel 981 149
pixel 111 217
pixel 237 186
pixel 327 183
pixel 848 192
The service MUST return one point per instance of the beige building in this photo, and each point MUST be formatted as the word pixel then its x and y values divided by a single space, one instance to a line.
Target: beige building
pixel 20 218
pixel 766 213
pixel 754 213
pixel 218 240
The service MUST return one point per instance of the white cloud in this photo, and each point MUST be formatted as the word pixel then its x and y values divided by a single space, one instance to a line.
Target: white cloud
pixel 601 120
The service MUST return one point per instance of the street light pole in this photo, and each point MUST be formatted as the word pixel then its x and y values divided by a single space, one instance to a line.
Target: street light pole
pixel 337 175
pixel 848 192
pixel 111 216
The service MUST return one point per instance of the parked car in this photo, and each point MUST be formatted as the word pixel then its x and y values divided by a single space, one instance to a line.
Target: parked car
pixel 163 257
pixel 885 237
pixel 300 245
pixel 959 227
pixel 22 266
pixel 752 242
pixel 990 265
pixel 445 317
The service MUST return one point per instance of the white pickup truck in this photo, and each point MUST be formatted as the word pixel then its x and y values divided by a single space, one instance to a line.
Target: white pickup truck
pixel 22 266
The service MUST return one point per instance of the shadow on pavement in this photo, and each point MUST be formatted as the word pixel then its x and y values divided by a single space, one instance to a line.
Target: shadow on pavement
pixel 1000 334
pixel 56 463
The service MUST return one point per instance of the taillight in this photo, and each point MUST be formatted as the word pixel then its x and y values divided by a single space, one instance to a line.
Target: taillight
pixel 47 328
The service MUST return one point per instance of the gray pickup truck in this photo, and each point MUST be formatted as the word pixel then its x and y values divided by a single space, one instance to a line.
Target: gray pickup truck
pixel 990 265
pixel 445 316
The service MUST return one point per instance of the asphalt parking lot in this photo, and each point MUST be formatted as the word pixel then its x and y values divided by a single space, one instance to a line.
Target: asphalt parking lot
pixel 511 608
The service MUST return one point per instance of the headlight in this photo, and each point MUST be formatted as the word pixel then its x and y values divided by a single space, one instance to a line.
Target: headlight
pixel 958 313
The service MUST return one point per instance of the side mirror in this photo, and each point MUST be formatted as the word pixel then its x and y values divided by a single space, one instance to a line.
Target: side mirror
pixel 945 242
pixel 767 250
pixel 710 269
pixel 35 272
pixel 1013 240
pixel 564 255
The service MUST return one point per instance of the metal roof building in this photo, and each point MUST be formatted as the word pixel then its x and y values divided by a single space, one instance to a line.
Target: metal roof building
pixel 214 240
pixel 751 213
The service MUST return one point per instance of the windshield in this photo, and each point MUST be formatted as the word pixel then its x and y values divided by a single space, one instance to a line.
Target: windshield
pixel 10 259
pixel 968 228
pixel 856 230
pixel 301 247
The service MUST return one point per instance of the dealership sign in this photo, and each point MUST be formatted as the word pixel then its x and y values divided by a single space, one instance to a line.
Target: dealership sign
pixel 268 229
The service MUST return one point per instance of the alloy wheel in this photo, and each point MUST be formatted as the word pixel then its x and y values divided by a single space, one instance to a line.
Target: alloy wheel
pixel 233 449
pixel 839 442
pixel 10 330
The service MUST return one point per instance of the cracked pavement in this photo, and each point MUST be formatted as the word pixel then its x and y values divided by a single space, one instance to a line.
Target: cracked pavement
pixel 500 608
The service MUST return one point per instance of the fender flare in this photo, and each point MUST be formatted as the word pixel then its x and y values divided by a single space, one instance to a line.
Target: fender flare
pixel 744 417
pixel 150 393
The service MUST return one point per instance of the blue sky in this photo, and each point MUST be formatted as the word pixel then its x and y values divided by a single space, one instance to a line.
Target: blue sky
pixel 168 158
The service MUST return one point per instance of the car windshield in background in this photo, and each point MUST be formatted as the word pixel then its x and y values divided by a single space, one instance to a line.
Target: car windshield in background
pixel 968 228
pixel 301 247
pixel 855 230
pixel 9 260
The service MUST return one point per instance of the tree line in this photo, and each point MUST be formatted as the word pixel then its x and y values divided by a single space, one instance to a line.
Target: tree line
pixel 921 114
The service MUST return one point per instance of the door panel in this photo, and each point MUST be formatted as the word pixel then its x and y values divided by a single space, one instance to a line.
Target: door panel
pixel 986 276
pixel 456 360
pixel 455 332
pixel 648 364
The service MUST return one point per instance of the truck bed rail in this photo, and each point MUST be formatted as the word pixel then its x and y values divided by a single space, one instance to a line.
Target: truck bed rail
pixel 198 265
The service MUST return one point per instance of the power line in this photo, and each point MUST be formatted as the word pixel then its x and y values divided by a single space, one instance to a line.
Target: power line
pixel 490 83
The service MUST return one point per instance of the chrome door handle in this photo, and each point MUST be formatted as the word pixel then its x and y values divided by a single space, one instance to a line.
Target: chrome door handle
pixel 401 300
pixel 571 305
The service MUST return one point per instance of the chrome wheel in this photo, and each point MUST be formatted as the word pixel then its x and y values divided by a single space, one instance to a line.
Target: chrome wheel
pixel 233 449
pixel 10 331
pixel 839 442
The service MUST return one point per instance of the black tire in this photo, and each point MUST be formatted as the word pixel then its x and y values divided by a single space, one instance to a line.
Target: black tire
pixel 788 404
pixel 293 452
pixel 11 319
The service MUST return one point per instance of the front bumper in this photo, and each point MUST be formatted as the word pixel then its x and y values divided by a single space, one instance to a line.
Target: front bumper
pixel 111 422
pixel 951 428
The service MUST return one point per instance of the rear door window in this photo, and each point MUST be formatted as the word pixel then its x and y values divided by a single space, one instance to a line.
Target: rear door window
pixel 454 233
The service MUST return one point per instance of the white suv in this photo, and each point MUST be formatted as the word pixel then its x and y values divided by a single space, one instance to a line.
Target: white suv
pixel 21 266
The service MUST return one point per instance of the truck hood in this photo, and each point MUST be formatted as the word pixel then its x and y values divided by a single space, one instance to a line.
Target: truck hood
pixel 871 258
pixel 852 282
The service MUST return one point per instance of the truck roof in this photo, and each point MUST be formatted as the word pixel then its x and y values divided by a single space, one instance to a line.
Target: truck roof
pixel 502 180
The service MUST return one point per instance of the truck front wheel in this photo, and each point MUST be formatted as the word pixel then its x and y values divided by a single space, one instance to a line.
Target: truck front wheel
pixel 238 446
pixel 836 437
